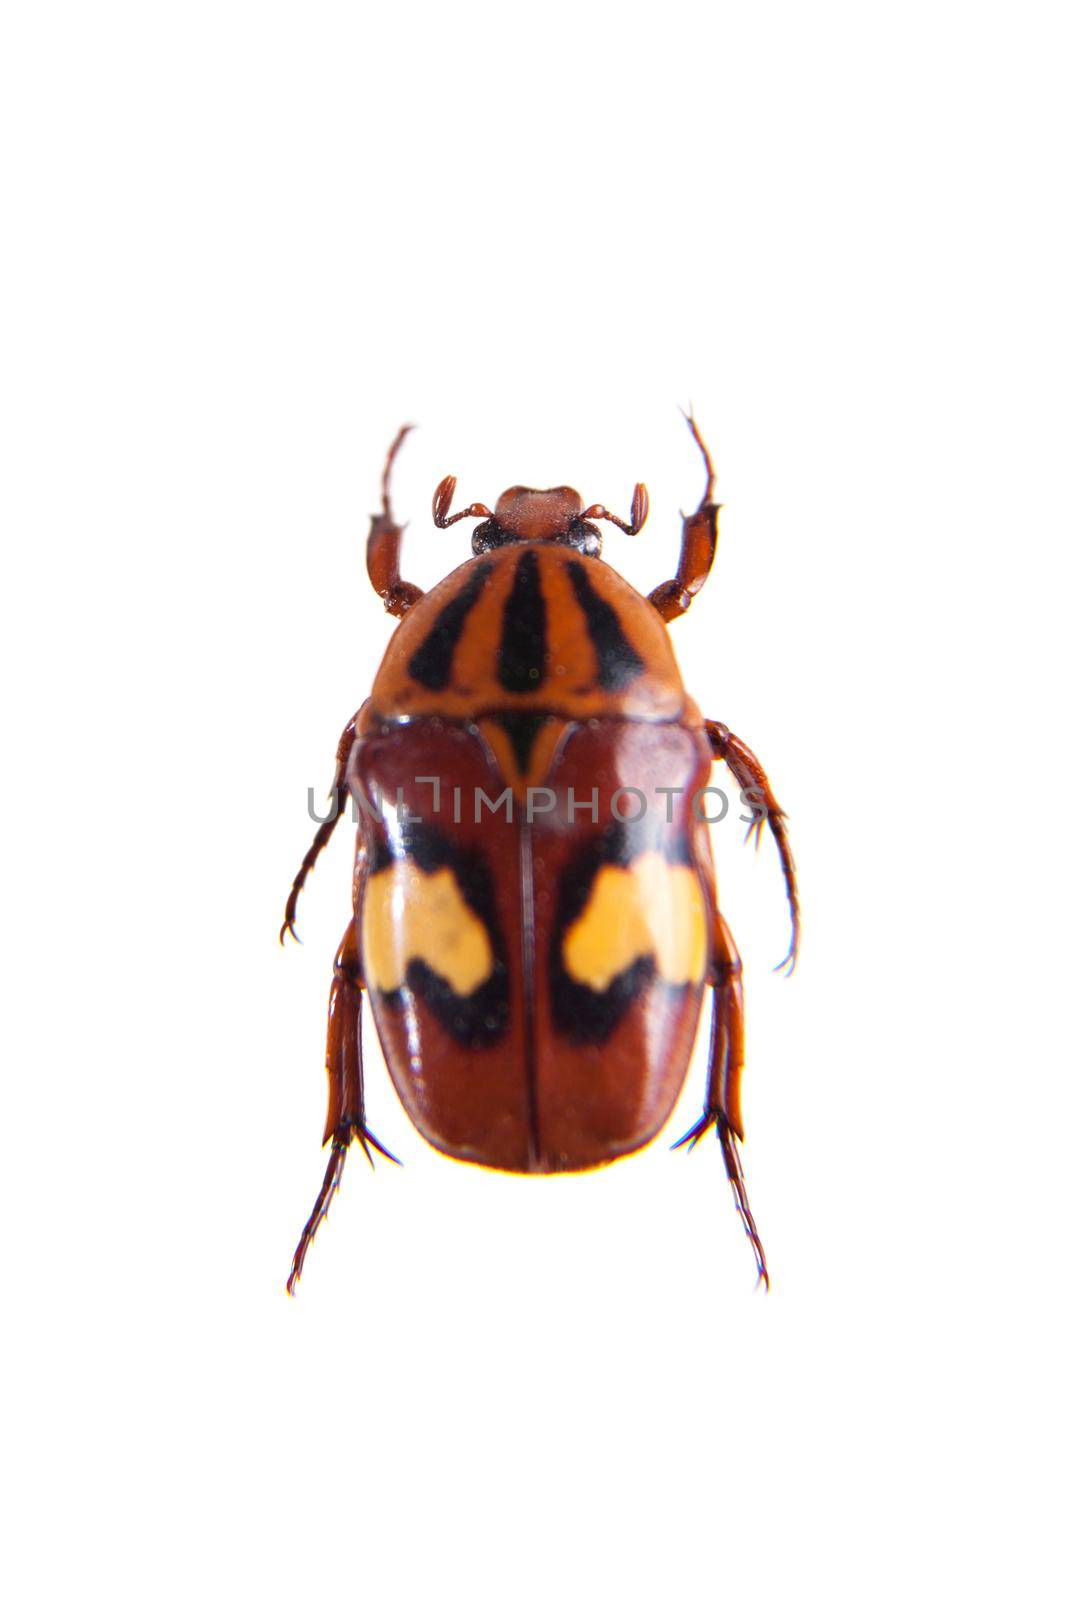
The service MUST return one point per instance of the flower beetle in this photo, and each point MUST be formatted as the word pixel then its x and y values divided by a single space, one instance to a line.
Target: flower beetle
pixel 534 909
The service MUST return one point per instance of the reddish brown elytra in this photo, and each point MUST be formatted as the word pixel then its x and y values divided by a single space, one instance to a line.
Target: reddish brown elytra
pixel 534 910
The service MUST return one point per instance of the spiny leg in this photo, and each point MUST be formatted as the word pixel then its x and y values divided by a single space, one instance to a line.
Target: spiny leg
pixel 335 1166
pixel 726 1059
pixel 700 532
pixel 383 546
pixel 345 1114
pixel 340 793
pixel 756 788
pixel 731 1156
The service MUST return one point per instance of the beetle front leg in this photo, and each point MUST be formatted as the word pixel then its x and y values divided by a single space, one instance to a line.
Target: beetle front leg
pixel 383 546
pixel 345 1115
pixel 700 532
pixel 726 1059
pixel 756 788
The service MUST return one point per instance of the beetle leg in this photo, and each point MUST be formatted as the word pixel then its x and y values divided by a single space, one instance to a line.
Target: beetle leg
pixel 726 1059
pixel 345 1115
pixel 383 546
pixel 700 533
pixel 757 791
pixel 340 792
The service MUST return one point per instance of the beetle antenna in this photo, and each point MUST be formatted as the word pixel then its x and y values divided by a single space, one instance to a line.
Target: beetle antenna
pixel 638 512
pixel 442 500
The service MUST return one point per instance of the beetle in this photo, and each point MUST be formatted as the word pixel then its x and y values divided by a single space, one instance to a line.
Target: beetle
pixel 535 958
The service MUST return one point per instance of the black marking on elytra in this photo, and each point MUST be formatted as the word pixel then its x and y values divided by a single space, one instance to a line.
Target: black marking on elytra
pixel 431 665
pixel 590 1016
pixel 521 729
pixel 579 1012
pixel 617 844
pixel 475 1020
pixel 521 659
pixel 480 1018
pixel 616 659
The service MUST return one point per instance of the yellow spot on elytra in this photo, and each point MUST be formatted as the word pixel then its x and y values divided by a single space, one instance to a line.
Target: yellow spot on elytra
pixel 653 908
pixel 409 914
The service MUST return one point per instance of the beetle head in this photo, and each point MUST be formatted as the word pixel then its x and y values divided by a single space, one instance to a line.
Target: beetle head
pixel 538 515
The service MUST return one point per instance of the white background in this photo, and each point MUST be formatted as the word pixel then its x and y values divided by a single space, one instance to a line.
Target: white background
pixel 242 244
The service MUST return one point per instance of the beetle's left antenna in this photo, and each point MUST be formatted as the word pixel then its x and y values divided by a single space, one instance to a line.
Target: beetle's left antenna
pixel 638 512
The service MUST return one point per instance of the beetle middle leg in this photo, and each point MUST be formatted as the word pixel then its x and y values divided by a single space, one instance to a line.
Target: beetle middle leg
pixel 726 1059
pixel 345 1115
pixel 756 789
pixel 340 792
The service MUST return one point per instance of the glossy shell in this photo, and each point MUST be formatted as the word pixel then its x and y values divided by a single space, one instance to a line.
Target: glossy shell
pixel 530 629
pixel 536 984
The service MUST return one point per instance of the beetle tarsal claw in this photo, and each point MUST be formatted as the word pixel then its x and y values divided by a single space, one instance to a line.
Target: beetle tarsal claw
pixel 693 1137
pixel 788 963
pixel 367 1141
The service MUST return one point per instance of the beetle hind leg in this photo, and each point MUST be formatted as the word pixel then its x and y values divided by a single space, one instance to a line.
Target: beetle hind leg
pixel 335 1166
pixel 726 1059
pixel 731 1156
pixel 345 1115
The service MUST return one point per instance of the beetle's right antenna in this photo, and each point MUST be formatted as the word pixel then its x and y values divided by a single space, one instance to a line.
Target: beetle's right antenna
pixel 442 499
